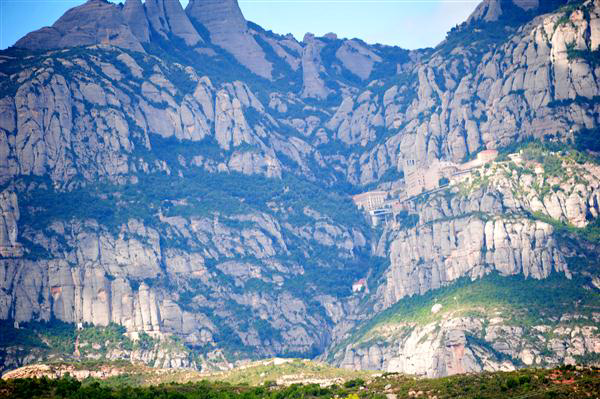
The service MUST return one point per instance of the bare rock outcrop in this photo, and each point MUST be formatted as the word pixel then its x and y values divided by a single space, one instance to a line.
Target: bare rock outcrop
pixel 95 22
pixel 458 345
pixel 357 58
pixel 430 257
pixel 168 17
pixel 228 29
pixel 9 218
pixel 57 124
pixel 458 235
pixel 313 84
pixel 135 16
pixel 493 10
pixel 529 86
pixel 220 210
pixel 357 123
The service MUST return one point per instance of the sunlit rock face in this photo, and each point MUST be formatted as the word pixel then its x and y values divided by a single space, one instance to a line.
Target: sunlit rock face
pixel 135 16
pixel 228 29
pixel 168 17
pixel 95 22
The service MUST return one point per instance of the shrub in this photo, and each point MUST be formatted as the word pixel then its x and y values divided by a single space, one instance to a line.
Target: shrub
pixel 357 382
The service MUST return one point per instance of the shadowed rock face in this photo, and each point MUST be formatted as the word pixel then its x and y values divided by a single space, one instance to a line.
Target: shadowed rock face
pixel 527 4
pixel 95 22
pixel 228 29
pixel 357 58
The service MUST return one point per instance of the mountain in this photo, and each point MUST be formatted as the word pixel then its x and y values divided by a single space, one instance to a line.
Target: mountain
pixel 183 188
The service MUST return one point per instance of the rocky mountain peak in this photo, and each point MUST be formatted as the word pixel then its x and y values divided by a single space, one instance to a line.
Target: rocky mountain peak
pixel 218 15
pixel 168 16
pixel 129 25
pixel 95 22
pixel 135 15
pixel 494 10
pixel 102 22
pixel 228 29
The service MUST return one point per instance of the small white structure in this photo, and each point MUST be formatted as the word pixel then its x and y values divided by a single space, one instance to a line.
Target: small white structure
pixel 436 308
pixel 359 285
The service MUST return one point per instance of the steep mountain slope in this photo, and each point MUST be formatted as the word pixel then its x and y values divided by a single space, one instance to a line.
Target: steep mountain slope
pixel 178 184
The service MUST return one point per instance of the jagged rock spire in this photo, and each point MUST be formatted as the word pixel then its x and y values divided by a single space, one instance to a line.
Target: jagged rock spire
pixel 99 21
pixel 228 29
pixel 168 16
pixel 135 16
pixel 219 16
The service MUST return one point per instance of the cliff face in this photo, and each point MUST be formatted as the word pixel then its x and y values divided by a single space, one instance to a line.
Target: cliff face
pixel 189 276
pixel 460 345
pixel 48 130
pixel 188 176
pixel 228 29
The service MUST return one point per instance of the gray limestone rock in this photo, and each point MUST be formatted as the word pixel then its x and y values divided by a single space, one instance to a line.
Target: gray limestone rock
pixel 357 58
pixel 227 27
pixel 313 84
pixel 455 345
pixel 102 116
pixel 167 16
pixel 9 217
pixel 95 22
pixel 231 128
pixel 135 16
pixel 492 10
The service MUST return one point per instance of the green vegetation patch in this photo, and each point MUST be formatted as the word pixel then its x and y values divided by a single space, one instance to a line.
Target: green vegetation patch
pixel 203 193
pixel 104 338
pixel 590 233
pixel 565 382
pixel 52 337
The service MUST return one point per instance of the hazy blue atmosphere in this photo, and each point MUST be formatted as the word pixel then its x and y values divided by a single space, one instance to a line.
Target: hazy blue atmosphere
pixel 406 23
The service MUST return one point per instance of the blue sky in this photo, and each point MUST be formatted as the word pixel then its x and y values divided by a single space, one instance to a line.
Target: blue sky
pixel 406 23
